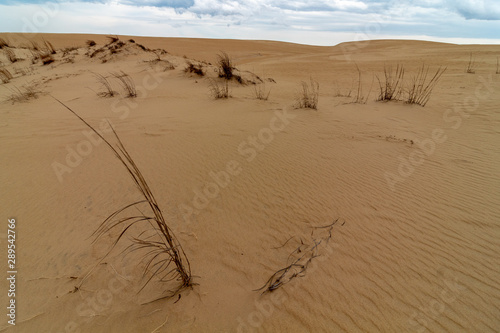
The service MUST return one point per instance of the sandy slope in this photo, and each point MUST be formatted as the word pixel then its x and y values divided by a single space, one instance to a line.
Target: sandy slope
pixel 417 254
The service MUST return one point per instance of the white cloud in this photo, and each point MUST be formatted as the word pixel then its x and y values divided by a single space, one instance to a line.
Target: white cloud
pixel 322 22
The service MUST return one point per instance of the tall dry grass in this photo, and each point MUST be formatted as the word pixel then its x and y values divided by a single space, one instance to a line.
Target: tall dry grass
pixel 308 96
pixel 421 85
pixel 162 254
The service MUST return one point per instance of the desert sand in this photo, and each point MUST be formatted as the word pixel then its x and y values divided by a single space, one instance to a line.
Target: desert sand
pixel 415 190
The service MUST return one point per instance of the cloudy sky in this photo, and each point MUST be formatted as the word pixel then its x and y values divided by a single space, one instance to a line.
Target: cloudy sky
pixel 317 22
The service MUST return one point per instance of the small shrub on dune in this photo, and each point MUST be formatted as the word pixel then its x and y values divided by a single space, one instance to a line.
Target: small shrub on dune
pixel 308 96
pixel 90 43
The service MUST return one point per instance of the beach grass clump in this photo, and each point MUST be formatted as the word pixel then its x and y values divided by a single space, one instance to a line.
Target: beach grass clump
pixel 127 83
pixel 391 84
pixel 422 84
pixel 161 253
pixel 308 96
pixel 219 90
pixel 225 66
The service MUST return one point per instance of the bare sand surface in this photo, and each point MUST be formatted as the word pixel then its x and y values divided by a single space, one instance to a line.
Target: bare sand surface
pixel 416 190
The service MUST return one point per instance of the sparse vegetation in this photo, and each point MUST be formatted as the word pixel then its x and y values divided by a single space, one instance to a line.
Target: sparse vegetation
pixel 68 50
pixel 3 43
pixel 49 47
pixel 112 39
pixel 155 240
pixel 391 86
pixel 261 92
pixel 11 55
pixel 308 96
pixel 420 88
pixel 299 259
pixel 225 65
pixel 22 94
pixel 46 58
pixel 471 66
pixel 127 83
pixel 360 98
pixel 108 90
pixel 338 92
pixel 219 90
pixel 196 69
pixel 5 75
pixel 90 43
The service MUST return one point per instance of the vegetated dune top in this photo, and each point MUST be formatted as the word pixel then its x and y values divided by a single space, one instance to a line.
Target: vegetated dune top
pixel 245 184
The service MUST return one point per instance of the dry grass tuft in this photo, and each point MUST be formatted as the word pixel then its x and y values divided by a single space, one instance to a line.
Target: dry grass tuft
pixel 225 65
pixel 261 92
pixel 420 88
pixel 3 43
pixel 46 58
pixel 390 88
pixel 471 66
pixel 90 43
pixel 108 90
pixel 196 69
pixel 219 90
pixel 127 83
pixel 308 96
pixel 11 56
pixel 360 98
pixel 112 39
pixel 22 94
pixel 5 75
pixel 299 259
pixel 162 254
pixel 49 47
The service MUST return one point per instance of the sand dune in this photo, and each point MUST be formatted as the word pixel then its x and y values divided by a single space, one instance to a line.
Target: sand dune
pixel 416 188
